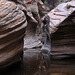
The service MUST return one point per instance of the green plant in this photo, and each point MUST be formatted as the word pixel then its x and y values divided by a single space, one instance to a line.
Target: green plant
pixel 19 7
pixel 45 2
pixel 61 1
pixel 1 23
pixel 32 10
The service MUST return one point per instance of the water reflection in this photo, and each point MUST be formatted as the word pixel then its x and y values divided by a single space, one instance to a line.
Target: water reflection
pixel 58 67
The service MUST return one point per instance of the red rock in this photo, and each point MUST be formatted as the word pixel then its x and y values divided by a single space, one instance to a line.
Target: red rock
pixel 12 31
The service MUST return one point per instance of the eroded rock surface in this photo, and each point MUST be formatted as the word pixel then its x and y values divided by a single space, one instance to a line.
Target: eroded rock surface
pixel 62 28
pixel 12 31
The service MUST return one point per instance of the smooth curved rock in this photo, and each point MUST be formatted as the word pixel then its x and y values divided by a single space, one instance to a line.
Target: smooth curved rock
pixel 12 31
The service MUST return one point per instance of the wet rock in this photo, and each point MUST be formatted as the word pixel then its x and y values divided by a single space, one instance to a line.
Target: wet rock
pixel 32 56
pixel 31 60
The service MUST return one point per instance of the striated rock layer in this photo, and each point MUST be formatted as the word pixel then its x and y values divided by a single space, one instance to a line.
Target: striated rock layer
pixel 12 31
pixel 62 28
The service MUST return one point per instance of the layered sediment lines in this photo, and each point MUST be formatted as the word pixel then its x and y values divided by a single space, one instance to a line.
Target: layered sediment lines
pixel 12 31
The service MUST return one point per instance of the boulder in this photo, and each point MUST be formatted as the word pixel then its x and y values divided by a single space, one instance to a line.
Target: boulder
pixel 62 29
